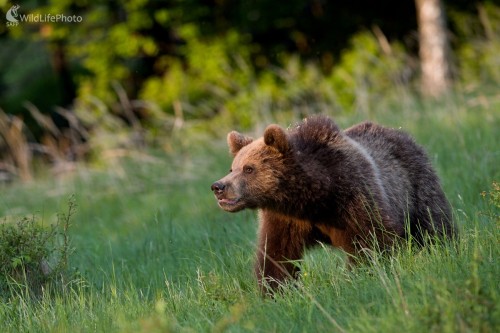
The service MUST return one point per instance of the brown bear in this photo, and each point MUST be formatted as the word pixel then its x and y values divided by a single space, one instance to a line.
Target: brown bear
pixel 361 188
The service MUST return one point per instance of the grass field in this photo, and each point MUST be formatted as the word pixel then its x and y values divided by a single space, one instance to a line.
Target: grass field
pixel 154 253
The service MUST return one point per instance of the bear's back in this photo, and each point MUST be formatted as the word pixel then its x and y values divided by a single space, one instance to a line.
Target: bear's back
pixel 400 161
pixel 390 152
pixel 410 183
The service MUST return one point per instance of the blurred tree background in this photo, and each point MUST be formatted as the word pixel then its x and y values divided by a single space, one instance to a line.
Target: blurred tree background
pixel 148 67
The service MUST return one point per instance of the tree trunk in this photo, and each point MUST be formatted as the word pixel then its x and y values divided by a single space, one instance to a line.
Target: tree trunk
pixel 434 48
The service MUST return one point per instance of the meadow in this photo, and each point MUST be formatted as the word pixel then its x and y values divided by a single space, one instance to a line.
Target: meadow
pixel 152 252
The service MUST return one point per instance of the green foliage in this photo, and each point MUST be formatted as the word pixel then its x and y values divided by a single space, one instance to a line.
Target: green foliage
pixel 493 198
pixel 109 54
pixel 23 251
pixel 205 75
pixel 215 82
pixel 366 72
pixel 31 255
pixel 477 58
pixel 495 195
pixel 219 81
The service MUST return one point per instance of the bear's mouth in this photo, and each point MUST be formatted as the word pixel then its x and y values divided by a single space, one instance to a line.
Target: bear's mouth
pixel 228 201
pixel 230 205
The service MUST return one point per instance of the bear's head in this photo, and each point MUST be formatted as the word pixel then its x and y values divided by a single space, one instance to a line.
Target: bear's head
pixel 258 168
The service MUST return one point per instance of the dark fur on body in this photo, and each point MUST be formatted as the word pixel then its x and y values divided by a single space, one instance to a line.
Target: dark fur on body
pixel 315 183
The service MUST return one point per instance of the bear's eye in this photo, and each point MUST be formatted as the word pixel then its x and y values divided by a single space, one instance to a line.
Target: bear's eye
pixel 248 169
pixel 230 170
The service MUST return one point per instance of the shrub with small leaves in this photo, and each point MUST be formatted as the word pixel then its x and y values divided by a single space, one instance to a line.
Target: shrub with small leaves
pixel 31 254
pixel 493 197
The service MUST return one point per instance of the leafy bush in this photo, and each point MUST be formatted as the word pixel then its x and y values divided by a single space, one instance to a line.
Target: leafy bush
pixel 217 81
pixel 368 70
pixel 477 58
pixel 32 255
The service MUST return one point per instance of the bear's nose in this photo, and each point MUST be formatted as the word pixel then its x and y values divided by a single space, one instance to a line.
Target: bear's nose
pixel 218 187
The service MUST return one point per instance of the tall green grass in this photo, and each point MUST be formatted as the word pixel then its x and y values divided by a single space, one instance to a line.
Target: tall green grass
pixel 154 253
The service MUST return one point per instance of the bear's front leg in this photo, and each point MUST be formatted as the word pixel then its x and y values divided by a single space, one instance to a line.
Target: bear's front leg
pixel 281 241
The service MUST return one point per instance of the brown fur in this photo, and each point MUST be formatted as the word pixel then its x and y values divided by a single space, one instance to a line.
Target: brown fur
pixel 353 189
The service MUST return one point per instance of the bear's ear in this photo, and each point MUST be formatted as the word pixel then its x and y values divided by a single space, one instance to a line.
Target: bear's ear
pixel 275 136
pixel 236 141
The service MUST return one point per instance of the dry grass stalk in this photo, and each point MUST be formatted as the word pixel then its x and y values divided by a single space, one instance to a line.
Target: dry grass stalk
pixel 18 150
